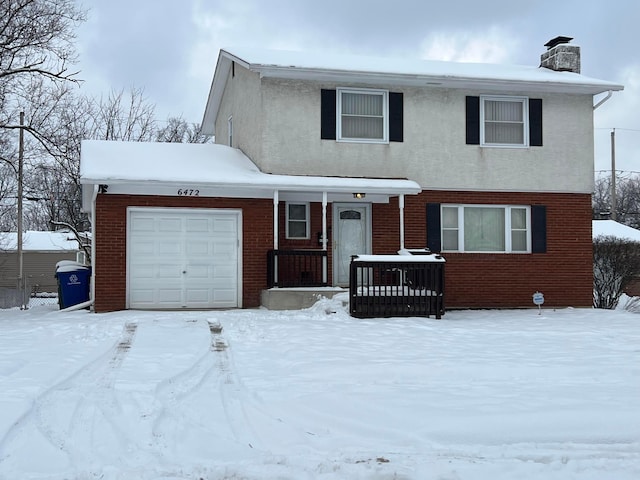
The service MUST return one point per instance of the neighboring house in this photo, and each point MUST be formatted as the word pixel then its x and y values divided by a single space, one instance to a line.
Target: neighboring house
pixel 611 228
pixel 332 155
pixel 41 252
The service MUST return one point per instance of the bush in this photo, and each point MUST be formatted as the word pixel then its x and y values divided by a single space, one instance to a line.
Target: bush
pixel 615 262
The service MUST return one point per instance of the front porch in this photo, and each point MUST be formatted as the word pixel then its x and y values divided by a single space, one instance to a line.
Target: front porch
pixel 296 279
pixel 296 298
pixel 408 284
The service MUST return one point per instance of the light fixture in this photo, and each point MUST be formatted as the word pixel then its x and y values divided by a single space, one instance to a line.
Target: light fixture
pixel 359 195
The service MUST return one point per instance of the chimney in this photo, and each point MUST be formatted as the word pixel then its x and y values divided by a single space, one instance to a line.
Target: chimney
pixel 560 56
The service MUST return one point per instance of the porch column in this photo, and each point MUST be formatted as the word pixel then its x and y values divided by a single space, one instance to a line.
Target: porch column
pixel 276 200
pixel 324 236
pixel 401 204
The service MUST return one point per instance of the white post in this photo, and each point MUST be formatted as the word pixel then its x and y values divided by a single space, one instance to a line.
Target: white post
pixel 275 219
pixel 401 204
pixel 324 236
pixel 276 200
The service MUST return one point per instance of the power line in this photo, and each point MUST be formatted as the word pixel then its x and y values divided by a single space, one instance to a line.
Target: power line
pixel 617 128
pixel 608 170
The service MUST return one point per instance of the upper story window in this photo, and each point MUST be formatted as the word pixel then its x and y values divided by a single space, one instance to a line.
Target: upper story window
pixel 297 220
pixel 363 115
pixel 486 228
pixel 504 121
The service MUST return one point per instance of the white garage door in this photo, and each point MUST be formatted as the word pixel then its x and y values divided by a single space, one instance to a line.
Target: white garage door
pixel 183 258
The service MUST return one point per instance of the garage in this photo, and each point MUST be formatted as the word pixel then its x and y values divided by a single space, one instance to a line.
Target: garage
pixel 180 258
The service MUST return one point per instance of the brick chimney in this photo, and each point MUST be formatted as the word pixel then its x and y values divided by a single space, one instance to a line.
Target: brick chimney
pixel 560 56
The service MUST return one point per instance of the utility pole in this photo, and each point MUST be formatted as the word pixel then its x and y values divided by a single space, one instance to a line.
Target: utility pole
pixel 613 175
pixel 21 284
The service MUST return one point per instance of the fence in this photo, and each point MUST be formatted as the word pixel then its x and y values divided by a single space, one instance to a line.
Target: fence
pixel 296 268
pixel 28 296
pixel 396 286
pixel 12 297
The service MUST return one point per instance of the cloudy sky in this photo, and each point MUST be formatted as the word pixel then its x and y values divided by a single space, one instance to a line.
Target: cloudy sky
pixel 169 47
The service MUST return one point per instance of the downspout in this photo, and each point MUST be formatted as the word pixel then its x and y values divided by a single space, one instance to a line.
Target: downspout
pixel 609 93
pixel 92 283
pixel 92 279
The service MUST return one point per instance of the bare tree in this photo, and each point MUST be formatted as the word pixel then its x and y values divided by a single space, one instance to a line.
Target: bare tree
pixel 616 262
pixel 124 116
pixel 8 192
pixel 179 130
pixel 66 119
pixel 627 199
pixel 36 41
pixel 37 50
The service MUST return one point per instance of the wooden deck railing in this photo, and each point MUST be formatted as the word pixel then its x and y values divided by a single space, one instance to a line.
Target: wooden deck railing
pixel 396 286
pixel 296 268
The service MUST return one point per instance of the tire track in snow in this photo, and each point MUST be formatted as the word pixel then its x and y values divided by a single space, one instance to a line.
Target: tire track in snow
pixel 250 420
pixel 99 407
pixel 213 377
pixel 64 415
pixel 232 391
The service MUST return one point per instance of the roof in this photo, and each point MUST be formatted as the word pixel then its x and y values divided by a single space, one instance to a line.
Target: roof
pixel 34 241
pixel 612 228
pixel 366 70
pixel 216 170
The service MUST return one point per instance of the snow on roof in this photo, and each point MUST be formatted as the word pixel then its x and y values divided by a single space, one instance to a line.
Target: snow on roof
pixel 108 162
pixel 614 229
pixel 271 61
pixel 396 71
pixel 33 241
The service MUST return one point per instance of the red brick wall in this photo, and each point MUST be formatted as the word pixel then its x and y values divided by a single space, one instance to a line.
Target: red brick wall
pixel 111 235
pixel 564 274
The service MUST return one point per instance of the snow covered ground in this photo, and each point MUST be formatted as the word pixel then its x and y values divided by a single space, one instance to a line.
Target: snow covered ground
pixel 316 394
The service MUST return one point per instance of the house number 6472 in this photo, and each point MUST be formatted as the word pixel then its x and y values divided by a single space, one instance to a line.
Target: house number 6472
pixel 188 192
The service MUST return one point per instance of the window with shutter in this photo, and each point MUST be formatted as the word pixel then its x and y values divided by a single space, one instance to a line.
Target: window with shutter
pixel 361 115
pixel 486 228
pixel 503 121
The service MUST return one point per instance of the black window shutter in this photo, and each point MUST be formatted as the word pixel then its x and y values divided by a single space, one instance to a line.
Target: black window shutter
pixel 433 227
pixel 538 229
pixel 328 114
pixel 395 117
pixel 473 120
pixel 535 122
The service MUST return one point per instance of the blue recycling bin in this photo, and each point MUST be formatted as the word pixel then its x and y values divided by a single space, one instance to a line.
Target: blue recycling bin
pixel 73 284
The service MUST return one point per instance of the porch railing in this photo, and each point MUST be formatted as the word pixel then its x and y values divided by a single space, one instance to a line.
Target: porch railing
pixel 396 286
pixel 296 268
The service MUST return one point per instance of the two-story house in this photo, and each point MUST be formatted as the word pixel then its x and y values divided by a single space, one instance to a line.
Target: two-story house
pixel 320 157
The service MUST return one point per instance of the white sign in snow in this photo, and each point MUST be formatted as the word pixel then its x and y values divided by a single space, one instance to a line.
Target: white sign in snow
pixel 538 298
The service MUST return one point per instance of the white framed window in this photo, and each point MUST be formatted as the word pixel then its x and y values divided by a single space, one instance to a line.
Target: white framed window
pixel 230 130
pixel 297 220
pixel 486 228
pixel 363 115
pixel 504 121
